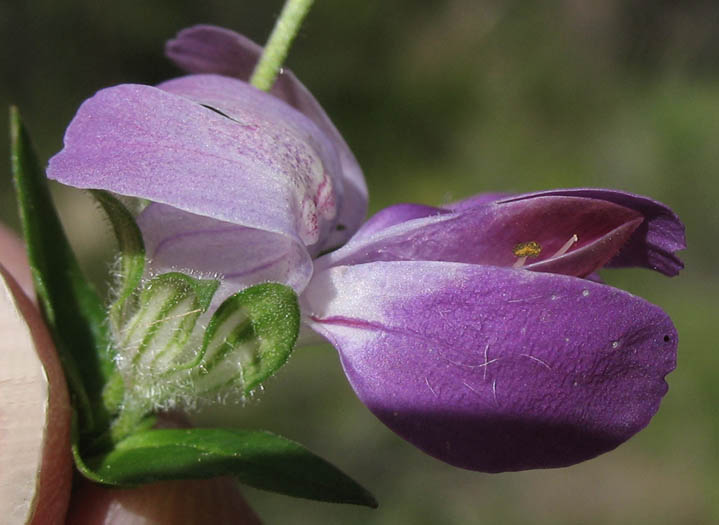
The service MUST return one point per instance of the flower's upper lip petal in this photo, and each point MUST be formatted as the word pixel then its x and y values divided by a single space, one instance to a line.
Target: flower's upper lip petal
pixel 652 245
pixel 493 368
pixel 277 128
pixel 210 49
pixel 145 142
pixel 488 233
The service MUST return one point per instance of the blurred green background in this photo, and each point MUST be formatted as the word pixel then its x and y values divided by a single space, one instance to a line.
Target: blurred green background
pixel 440 100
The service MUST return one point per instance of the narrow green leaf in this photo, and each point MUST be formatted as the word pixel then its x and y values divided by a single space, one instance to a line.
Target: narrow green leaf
pixel 132 254
pixel 100 445
pixel 257 458
pixel 250 336
pixel 72 308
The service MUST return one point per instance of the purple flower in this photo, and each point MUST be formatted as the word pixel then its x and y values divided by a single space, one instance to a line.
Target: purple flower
pixel 477 331
pixel 449 340
pixel 241 183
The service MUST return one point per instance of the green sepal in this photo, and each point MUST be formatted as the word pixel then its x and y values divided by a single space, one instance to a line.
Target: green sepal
pixel 132 254
pixel 168 298
pixel 72 308
pixel 250 336
pixel 256 458
pixel 155 339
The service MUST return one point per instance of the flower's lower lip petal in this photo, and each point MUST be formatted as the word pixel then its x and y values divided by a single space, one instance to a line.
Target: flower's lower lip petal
pixel 211 49
pixel 180 241
pixel 496 369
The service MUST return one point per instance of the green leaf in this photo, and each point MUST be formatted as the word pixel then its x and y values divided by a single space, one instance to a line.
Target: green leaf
pixel 257 458
pixel 132 254
pixel 250 336
pixel 72 308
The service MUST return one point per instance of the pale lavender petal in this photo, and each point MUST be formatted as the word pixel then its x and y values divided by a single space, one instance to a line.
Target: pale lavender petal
pixel 495 369
pixel 210 49
pixel 267 167
pixel 176 240
pixel 310 164
pixel 653 244
pixel 489 234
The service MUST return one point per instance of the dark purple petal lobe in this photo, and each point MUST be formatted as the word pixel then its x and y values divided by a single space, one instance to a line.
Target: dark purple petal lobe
pixel 496 369
pixel 490 235
pixel 585 258
pixel 653 244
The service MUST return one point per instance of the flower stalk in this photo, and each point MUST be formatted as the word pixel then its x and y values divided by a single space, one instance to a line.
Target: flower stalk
pixel 284 32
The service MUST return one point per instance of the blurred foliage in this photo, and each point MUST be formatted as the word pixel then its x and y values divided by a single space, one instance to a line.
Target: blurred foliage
pixel 440 100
